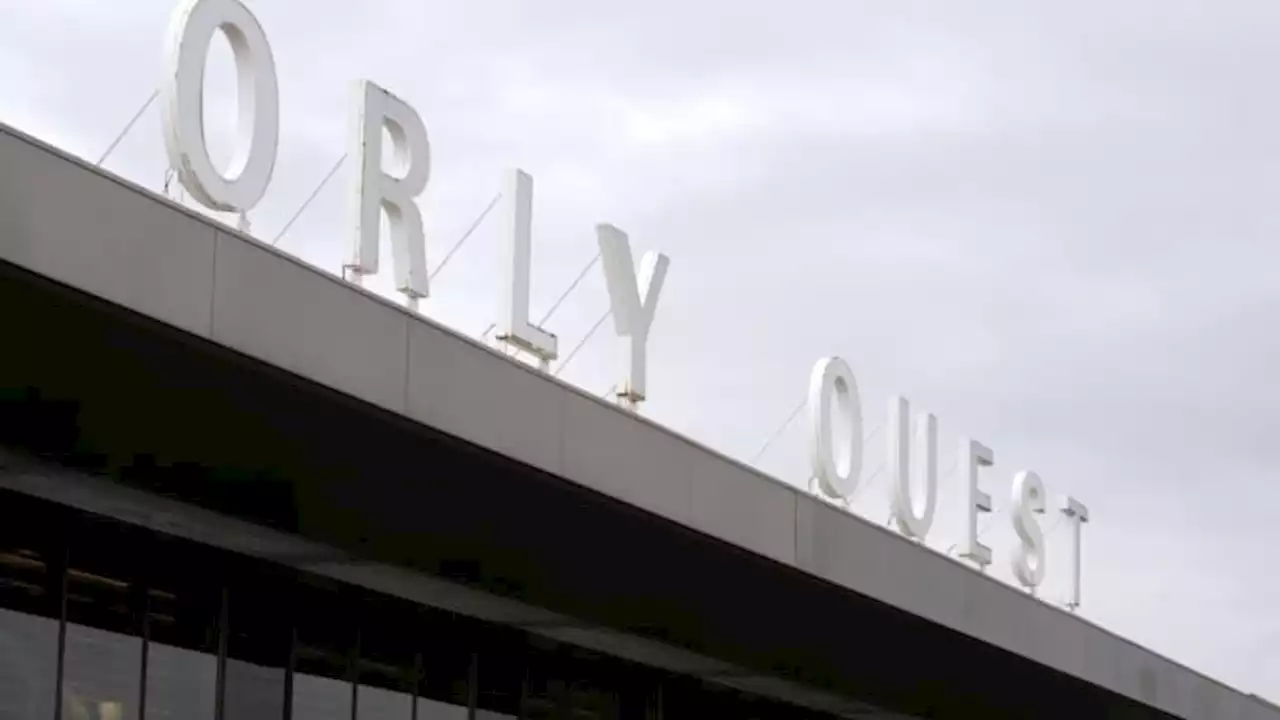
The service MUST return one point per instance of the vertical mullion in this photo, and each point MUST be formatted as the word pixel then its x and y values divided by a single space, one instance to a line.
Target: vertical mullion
pixel 146 649
pixel 473 685
pixel 220 687
pixel 522 705
pixel 288 672
pixel 353 671
pixel 61 584
pixel 653 701
pixel 417 685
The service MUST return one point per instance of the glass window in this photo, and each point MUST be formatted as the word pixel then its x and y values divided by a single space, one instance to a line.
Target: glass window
pixel 101 674
pixel 254 690
pixel 536 678
pixel 325 643
pixel 377 703
pixel 689 698
pixel 258 638
pixel 184 600
pixel 297 647
pixel 181 684
pixel 445 650
pixel 389 664
pixel 500 672
pixel 321 698
pixel 29 608
pixel 563 681
pixel 429 709
pixel 102 661
pixel 28 666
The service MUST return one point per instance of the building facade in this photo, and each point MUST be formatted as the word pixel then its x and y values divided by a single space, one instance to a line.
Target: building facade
pixel 233 487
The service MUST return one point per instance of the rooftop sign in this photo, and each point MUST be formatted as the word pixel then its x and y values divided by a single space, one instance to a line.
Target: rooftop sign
pixel 836 459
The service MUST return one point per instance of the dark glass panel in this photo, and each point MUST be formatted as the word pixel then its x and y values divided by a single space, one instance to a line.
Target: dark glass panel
pixel 30 580
pixel 324 648
pixel 377 703
pixel 184 598
pixel 321 698
pixel 258 636
pixel 500 673
pixel 389 663
pixel 686 698
pixel 182 684
pixel 102 675
pixel 105 605
pixel 429 709
pixel 567 682
pixel 446 644
pixel 28 666
pixel 355 654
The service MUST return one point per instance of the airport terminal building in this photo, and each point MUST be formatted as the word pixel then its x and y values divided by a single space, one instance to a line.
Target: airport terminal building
pixel 233 487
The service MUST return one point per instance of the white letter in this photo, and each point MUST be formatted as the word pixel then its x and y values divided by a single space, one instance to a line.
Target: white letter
pixel 975 455
pixel 258 103
pixel 1077 514
pixel 836 462
pixel 1028 498
pixel 631 316
pixel 376 190
pixel 517 233
pixel 912 525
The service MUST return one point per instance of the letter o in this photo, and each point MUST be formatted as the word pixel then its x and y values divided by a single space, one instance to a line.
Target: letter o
pixel 836 462
pixel 258 104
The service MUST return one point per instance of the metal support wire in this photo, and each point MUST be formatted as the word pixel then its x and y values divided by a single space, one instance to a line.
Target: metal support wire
pixel 560 300
pixel 569 358
pixel 1056 525
pixel 458 245
pixel 778 433
pixel 484 336
pixel 792 418
pixel 128 126
pixel 874 431
pixel 982 528
pixel 991 520
pixel 328 176
pixel 865 482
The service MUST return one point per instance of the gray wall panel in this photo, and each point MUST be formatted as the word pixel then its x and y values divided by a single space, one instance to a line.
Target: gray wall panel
pixel 876 562
pixel 609 451
pixel 104 237
pixel 478 395
pixel 1002 616
pixel 272 308
pixel 743 507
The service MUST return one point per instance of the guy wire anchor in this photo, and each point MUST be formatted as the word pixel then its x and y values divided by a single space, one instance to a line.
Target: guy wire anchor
pixel 544 358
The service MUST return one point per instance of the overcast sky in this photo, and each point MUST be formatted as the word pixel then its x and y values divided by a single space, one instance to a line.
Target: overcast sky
pixel 1052 224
